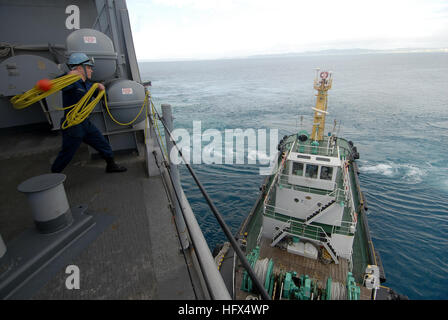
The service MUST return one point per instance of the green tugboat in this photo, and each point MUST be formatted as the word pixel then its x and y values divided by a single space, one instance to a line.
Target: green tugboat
pixel 307 236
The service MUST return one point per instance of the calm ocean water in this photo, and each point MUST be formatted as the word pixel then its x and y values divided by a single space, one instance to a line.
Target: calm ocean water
pixel 392 106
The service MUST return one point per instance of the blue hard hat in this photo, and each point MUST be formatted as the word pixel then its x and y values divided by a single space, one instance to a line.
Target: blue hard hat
pixel 77 58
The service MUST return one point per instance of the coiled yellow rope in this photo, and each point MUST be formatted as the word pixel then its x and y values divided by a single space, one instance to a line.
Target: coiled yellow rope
pixel 81 110
pixel 21 101
pixel 145 104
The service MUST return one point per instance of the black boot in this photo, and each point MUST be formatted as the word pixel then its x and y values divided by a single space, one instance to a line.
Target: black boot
pixel 113 167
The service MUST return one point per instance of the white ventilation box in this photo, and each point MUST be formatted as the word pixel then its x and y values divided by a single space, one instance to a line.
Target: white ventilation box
pixel 307 250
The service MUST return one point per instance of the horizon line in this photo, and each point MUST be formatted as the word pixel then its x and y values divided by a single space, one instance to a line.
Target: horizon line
pixel 304 53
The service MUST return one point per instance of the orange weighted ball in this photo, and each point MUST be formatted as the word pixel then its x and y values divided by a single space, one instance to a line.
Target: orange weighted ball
pixel 44 84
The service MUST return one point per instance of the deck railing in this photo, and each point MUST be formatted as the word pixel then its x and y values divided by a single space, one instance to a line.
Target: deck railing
pixel 329 151
pixel 213 279
pixel 348 190
pixel 319 151
pixel 345 228
pixel 283 179
pixel 297 228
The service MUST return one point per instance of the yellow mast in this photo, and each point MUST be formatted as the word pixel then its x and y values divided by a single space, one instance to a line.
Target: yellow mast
pixel 322 85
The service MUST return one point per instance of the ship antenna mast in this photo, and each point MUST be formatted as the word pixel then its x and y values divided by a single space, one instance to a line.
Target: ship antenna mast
pixel 322 83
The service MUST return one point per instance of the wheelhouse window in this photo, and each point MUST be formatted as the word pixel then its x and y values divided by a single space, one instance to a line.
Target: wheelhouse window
pixel 311 171
pixel 297 168
pixel 326 173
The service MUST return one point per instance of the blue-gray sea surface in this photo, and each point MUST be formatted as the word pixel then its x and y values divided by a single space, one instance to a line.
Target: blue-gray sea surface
pixel 392 106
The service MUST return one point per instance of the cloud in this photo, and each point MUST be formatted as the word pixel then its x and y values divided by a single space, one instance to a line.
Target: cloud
pixel 213 28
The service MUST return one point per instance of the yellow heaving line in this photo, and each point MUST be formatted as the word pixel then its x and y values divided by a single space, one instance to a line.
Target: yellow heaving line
pixel 81 110
pixel 21 101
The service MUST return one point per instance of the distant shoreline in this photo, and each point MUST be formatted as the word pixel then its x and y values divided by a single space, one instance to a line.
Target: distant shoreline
pixel 330 52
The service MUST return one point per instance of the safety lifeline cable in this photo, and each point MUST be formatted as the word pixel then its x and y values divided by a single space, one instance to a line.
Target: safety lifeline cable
pixel 156 125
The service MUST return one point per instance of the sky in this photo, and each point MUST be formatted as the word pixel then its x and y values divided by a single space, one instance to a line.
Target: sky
pixel 213 29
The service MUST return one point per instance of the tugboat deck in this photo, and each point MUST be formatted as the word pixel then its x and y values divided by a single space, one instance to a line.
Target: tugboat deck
pixel 302 265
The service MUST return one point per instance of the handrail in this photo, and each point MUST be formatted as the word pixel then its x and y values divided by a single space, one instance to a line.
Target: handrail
pixel 309 149
pixel 284 178
pixel 280 168
pixel 348 189
pixel 310 232
pixel 307 231
pixel 319 205
pixel 281 228
pixel 345 225
pixel 219 218
pixel 199 244
pixel 321 151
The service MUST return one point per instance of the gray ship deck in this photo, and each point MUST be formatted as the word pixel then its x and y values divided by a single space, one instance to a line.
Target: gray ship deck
pixel 138 254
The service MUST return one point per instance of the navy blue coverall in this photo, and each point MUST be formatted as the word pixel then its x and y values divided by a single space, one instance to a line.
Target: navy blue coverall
pixel 86 132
